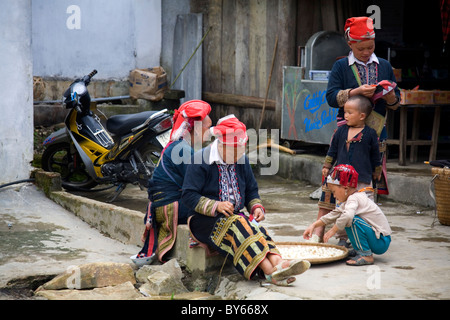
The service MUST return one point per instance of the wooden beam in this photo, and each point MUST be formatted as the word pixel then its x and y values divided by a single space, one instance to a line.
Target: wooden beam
pixel 410 142
pixel 238 100
pixel 435 133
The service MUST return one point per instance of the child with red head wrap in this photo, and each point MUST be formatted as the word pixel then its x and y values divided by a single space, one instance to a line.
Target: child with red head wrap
pixel 344 175
pixel 364 222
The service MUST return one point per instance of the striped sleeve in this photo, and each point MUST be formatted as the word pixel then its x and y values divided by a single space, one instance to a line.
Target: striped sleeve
pixel 207 206
pixel 255 203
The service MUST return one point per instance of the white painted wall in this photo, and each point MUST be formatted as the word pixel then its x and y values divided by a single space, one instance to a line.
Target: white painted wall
pixel 65 39
pixel 16 91
pixel 73 37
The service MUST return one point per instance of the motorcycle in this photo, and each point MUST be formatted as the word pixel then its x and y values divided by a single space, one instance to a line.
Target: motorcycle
pixel 86 154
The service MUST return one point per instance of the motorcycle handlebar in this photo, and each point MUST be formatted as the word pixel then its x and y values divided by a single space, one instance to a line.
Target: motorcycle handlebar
pixel 88 78
pixel 93 73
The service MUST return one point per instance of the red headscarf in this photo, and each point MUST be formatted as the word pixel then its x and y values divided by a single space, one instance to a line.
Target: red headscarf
pixel 344 175
pixel 193 109
pixel 359 29
pixel 230 131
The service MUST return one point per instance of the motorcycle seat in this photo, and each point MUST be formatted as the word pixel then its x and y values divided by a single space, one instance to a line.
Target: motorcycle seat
pixel 122 124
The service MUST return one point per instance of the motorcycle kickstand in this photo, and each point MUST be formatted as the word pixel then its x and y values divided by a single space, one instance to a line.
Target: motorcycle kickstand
pixel 118 191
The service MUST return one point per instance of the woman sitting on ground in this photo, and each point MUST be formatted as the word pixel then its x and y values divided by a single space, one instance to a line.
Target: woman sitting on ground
pixel 164 212
pixel 216 188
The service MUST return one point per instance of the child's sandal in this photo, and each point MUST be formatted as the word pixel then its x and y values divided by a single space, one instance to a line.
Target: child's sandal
pixel 359 261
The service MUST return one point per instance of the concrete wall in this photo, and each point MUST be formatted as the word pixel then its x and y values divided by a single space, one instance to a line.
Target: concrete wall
pixel 73 37
pixel 65 39
pixel 406 187
pixel 16 90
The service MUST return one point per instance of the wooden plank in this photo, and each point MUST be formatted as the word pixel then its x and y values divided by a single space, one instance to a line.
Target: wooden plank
pixel 228 45
pixel 403 142
pixel 257 47
pixel 341 17
pixel 242 81
pixel 272 33
pixel 414 136
pixel 212 47
pixel 238 51
pixel 402 136
pixel 435 133
pixel 186 65
pixel 328 12
pixel 287 13
pixel 410 142
pixel 237 100
pixel 305 21
pixel 392 141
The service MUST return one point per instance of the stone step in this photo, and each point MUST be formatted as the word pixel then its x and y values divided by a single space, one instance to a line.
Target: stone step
pixel 195 259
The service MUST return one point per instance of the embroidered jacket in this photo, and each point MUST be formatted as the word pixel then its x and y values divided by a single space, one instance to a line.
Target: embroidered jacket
pixel 167 180
pixel 342 79
pixel 204 185
pixel 363 152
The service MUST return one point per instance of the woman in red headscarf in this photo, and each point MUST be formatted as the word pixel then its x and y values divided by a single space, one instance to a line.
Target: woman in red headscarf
pixel 190 123
pixel 216 188
pixel 359 74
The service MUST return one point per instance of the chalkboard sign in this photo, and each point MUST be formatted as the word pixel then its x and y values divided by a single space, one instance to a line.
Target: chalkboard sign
pixel 306 115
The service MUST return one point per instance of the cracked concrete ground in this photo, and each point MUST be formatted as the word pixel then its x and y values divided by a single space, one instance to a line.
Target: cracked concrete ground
pixel 37 236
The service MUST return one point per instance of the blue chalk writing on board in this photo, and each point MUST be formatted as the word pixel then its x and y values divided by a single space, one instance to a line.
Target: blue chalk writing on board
pixel 314 102
pixel 320 118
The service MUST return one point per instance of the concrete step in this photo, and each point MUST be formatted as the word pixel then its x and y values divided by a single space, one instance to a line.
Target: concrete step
pixel 406 184
pixel 123 224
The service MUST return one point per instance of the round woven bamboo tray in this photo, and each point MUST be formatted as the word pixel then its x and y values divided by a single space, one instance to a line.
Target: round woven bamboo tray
pixel 442 194
pixel 317 260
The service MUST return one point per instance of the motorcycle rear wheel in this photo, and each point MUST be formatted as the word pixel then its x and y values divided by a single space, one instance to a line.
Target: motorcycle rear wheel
pixel 58 158
pixel 150 155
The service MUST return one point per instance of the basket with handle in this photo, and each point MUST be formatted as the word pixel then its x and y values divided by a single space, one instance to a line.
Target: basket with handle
pixel 441 179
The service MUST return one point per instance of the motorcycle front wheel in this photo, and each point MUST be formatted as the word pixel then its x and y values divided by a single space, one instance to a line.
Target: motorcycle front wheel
pixel 57 158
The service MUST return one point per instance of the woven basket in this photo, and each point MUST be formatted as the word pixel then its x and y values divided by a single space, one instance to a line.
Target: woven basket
pixel 317 260
pixel 442 193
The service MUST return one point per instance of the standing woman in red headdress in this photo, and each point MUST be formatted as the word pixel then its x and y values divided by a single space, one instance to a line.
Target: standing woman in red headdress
pixel 217 186
pixel 358 74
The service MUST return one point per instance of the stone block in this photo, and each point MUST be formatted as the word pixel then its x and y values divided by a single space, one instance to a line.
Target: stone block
pixel 92 275
pixel 47 181
pixel 124 291
pixel 194 259
pixel 161 283
pixel 181 246
pixel 171 267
